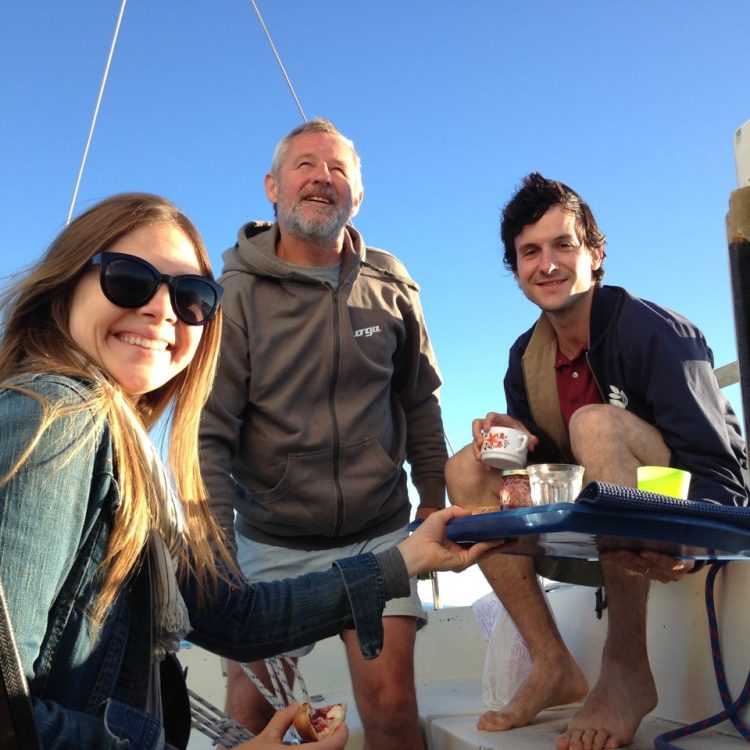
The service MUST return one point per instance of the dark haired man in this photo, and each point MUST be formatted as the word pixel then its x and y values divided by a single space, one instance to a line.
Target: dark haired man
pixel 612 382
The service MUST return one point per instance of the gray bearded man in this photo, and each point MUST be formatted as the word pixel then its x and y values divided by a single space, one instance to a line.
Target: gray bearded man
pixel 326 385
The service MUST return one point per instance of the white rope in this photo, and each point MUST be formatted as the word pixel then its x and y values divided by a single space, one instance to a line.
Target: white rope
pixel 96 113
pixel 276 665
pixel 280 694
pixel 271 697
pixel 215 724
pixel 227 733
pixel 90 136
pixel 301 681
pixel 278 60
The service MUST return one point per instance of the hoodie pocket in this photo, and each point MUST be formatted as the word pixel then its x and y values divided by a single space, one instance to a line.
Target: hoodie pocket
pixel 316 490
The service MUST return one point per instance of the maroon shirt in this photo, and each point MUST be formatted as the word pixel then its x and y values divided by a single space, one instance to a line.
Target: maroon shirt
pixel 576 386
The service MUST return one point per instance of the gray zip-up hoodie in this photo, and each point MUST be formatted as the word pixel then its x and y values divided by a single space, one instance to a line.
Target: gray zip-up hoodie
pixel 321 395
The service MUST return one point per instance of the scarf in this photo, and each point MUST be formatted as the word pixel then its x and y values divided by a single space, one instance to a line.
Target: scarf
pixel 171 620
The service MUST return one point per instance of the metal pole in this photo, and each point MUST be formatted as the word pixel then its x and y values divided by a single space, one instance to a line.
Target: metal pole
pixel 435 590
pixel 742 154
pixel 738 237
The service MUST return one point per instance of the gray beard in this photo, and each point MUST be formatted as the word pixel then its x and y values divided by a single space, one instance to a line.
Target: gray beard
pixel 323 229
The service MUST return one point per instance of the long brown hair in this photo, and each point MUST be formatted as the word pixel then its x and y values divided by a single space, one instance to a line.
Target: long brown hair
pixel 36 338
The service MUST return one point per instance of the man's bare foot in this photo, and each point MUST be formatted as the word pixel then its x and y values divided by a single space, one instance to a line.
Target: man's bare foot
pixel 545 687
pixel 613 711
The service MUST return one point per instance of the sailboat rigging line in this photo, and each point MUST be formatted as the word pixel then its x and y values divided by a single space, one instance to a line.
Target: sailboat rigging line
pixel 278 60
pixel 96 113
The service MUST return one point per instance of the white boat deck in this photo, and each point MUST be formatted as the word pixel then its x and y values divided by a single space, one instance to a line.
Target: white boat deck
pixel 450 656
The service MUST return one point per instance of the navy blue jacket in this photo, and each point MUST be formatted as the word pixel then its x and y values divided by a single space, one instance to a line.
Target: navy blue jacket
pixel 652 362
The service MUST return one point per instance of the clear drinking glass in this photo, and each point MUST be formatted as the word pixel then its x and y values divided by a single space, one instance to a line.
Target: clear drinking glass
pixel 554 483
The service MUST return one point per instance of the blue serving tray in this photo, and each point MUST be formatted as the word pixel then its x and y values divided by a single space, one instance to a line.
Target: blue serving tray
pixel 609 517
pixel 583 531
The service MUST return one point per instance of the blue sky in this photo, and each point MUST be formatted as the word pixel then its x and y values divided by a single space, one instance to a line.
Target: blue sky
pixel 450 104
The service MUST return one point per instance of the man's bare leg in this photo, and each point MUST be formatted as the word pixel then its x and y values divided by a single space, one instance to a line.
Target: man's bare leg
pixel 555 677
pixel 612 443
pixel 244 703
pixel 625 691
pixel 384 688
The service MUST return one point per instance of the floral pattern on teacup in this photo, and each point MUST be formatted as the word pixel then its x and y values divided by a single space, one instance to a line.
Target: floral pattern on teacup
pixel 494 440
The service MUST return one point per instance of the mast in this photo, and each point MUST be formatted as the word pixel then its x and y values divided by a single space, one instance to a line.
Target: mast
pixel 738 238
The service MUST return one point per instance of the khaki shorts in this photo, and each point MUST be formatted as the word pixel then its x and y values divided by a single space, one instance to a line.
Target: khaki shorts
pixel 266 562
pixel 570 570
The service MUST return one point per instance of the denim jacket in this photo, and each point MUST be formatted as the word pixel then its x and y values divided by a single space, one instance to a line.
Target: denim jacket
pixel 89 682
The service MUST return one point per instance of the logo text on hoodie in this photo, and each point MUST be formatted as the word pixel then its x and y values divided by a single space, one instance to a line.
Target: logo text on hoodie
pixel 366 331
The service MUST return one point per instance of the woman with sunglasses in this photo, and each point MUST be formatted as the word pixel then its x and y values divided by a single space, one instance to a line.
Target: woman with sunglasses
pixel 105 569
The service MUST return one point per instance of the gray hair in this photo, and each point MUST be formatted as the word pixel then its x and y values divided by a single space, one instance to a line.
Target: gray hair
pixel 317 125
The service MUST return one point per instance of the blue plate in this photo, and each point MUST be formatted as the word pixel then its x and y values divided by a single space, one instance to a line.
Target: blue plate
pixel 607 517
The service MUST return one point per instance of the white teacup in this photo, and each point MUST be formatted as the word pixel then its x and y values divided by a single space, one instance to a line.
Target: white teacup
pixel 505 448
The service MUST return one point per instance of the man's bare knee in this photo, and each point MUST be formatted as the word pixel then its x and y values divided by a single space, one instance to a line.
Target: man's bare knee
pixel 468 483
pixel 595 421
pixel 601 432
pixel 392 701
pixel 459 473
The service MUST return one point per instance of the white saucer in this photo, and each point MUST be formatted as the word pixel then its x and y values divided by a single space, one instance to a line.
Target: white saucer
pixel 502 459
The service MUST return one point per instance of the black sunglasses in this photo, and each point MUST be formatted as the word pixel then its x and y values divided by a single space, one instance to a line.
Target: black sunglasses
pixel 129 281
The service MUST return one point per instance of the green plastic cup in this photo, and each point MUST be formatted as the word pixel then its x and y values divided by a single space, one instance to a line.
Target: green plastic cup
pixel 664 480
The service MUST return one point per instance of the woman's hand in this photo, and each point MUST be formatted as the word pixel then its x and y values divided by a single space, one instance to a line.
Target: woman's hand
pixel 480 426
pixel 271 737
pixel 429 549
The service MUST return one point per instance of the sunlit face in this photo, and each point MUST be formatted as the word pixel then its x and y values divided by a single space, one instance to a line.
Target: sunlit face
pixel 554 267
pixel 145 347
pixel 317 188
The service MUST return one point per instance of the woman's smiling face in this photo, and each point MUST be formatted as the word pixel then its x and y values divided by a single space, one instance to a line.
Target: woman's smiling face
pixel 140 348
